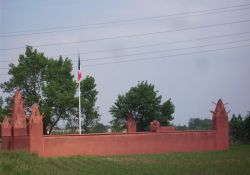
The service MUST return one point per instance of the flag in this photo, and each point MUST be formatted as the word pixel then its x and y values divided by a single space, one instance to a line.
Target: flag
pixel 79 77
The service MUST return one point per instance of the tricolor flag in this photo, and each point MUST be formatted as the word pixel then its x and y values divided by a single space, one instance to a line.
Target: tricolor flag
pixel 79 77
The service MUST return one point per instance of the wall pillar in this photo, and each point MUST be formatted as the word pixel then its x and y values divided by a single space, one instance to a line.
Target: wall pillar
pixel 220 125
pixel 131 124
pixel 36 140
pixel 19 124
pixel 6 134
pixel 154 126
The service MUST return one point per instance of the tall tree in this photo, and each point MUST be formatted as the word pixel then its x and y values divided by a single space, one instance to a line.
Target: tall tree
pixel 144 103
pixel 167 109
pixel 236 130
pixel 88 97
pixel 246 128
pixel 59 92
pixel 45 81
pixel 28 76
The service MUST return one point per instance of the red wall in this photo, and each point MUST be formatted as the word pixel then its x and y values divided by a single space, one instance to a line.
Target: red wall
pixel 16 137
pixel 134 143
pixel 20 143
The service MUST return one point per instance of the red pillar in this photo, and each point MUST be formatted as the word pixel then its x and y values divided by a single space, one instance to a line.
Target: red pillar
pixel 220 124
pixel 154 126
pixel 36 141
pixel 131 124
pixel 6 134
pixel 19 123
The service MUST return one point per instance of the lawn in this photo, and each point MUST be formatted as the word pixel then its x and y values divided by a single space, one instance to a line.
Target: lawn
pixel 234 161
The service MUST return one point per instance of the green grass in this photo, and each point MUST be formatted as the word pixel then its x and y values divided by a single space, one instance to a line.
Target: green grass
pixel 234 161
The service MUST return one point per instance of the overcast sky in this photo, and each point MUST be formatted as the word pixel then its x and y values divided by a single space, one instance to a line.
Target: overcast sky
pixel 193 51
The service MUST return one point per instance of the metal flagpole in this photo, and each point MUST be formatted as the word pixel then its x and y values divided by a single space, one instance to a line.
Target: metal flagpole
pixel 79 80
pixel 80 121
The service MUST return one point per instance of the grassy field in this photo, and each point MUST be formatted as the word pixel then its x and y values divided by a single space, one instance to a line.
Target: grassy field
pixel 234 161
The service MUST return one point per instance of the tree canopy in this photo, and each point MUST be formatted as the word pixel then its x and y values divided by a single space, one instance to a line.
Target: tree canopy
pixel 89 96
pixel 28 76
pixel 239 129
pixel 48 82
pixel 100 128
pixel 145 104
pixel 58 93
pixel 199 124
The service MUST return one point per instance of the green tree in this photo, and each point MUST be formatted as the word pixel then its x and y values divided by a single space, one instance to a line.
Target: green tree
pixel 199 124
pixel 144 103
pixel 28 76
pixel 100 128
pixel 88 103
pixel 236 130
pixel 181 127
pixel 6 109
pixel 167 109
pixel 59 92
pixel 45 81
pixel 246 128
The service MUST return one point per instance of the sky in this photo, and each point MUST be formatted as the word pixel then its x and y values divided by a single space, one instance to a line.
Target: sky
pixel 193 51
